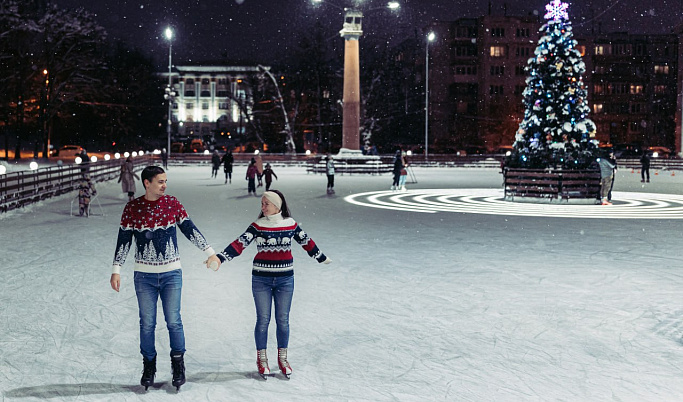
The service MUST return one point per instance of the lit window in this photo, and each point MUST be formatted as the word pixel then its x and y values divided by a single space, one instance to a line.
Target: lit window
pixel 497 51
pixel 661 69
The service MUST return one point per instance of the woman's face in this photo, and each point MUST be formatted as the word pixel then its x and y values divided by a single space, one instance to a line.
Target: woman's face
pixel 268 208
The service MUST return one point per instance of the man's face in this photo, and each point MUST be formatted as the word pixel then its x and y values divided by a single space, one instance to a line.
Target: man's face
pixel 156 187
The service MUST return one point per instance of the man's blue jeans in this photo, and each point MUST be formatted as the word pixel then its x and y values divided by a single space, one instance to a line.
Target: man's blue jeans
pixel 266 290
pixel 149 287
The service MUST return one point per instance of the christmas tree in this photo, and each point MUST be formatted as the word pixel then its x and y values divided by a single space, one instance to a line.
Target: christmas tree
pixel 556 131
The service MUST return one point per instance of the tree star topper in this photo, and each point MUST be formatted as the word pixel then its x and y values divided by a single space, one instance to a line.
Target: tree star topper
pixel 557 10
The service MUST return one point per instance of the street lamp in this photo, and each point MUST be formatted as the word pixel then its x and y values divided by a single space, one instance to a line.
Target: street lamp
pixel 430 38
pixel 169 92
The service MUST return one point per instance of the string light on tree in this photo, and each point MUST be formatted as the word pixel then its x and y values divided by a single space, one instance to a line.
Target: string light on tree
pixel 555 131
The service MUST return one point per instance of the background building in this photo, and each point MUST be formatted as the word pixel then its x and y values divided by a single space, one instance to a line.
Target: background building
pixel 212 102
pixel 477 75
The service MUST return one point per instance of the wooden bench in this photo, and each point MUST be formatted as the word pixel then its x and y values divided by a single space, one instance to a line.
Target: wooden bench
pixel 530 183
pixel 580 184
pixel 551 184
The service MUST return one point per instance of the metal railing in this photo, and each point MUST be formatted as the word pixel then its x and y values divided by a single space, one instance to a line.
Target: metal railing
pixel 21 188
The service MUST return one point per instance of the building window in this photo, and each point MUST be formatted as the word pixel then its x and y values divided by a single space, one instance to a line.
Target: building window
pixel 189 81
pixel 635 127
pixel 599 89
pixel 223 105
pixel 497 51
pixel 636 89
pixel 205 118
pixel 465 70
pixel 520 70
pixel 599 70
pixel 637 108
pixel 497 32
pixel 205 105
pixel 222 93
pixel 661 69
pixel 522 51
pixel 465 51
pixel 189 93
pixel 497 71
pixel 600 50
pixel 639 49
pixel 519 89
pixel 581 49
pixel 189 106
pixel 205 81
pixel 597 108
pixel 496 90
pixel 205 93
pixel 660 89
pixel 620 49
pixel 619 89
pixel 222 81
pixel 522 32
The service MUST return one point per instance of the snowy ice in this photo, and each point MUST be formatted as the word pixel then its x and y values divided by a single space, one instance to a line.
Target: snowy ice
pixel 418 304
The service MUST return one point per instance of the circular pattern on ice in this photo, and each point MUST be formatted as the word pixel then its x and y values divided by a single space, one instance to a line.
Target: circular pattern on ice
pixel 491 202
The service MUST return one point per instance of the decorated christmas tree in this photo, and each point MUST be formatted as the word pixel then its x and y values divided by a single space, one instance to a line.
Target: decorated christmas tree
pixel 556 131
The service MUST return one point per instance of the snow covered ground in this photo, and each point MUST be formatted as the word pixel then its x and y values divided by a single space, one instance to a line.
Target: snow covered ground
pixel 432 304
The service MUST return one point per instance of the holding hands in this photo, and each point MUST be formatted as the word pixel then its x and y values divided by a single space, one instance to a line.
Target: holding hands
pixel 213 262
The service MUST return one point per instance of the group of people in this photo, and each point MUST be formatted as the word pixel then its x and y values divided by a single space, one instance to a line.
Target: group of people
pixel 226 160
pixel 150 222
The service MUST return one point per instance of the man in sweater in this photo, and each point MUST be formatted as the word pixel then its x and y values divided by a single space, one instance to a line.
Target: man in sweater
pixel 152 220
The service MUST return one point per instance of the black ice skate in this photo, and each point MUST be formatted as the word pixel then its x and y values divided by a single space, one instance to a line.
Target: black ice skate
pixel 178 370
pixel 148 372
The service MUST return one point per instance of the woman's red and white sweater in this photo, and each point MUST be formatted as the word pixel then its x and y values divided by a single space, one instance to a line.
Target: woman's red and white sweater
pixel 273 235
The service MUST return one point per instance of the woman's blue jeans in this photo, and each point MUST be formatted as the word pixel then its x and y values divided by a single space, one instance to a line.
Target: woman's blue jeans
pixel 266 290
pixel 149 287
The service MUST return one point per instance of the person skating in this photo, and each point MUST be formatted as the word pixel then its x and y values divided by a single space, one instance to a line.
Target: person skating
pixel 86 190
pixel 272 277
pixel 268 174
pixel 127 178
pixel 398 167
pixel 227 161
pixel 645 167
pixel 152 220
pixel 606 176
pixel 329 171
pixel 215 164
pixel 251 176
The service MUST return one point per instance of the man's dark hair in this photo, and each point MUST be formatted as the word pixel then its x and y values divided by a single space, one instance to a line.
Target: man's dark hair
pixel 149 172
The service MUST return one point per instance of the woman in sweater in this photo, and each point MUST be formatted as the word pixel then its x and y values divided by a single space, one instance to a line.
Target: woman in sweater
pixel 273 272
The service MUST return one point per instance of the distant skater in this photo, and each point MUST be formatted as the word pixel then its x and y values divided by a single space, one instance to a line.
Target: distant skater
pixel 268 174
pixel 645 167
pixel 127 178
pixel 329 171
pixel 86 190
pixel 251 177
pixel 215 164
pixel 227 161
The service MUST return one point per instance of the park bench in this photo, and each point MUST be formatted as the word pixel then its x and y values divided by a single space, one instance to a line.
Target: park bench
pixel 551 184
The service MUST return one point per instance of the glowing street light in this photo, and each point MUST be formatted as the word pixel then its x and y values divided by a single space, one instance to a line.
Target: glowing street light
pixel 430 38
pixel 169 92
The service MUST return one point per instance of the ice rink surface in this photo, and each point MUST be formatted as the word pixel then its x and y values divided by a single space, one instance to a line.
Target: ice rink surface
pixel 442 293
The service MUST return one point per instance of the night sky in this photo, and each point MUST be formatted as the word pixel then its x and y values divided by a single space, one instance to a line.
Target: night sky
pixel 261 30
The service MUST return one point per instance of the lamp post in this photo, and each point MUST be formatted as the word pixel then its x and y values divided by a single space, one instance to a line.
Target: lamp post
pixel 169 36
pixel 430 38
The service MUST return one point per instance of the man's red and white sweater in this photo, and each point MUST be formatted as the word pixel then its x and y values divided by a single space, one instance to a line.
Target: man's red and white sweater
pixel 273 235
pixel 153 225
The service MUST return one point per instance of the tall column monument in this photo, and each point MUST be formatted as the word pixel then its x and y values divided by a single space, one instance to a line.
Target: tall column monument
pixel 351 32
